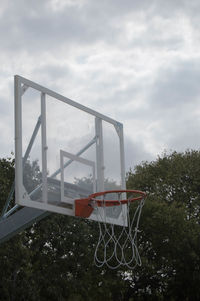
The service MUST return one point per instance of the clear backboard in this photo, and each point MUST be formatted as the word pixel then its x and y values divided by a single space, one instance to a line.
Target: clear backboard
pixel 64 151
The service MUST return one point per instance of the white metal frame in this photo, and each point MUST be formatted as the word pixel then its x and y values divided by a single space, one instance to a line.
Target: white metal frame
pixel 44 148
pixel 21 196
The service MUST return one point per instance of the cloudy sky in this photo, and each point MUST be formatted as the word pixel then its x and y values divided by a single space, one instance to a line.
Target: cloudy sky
pixel 135 61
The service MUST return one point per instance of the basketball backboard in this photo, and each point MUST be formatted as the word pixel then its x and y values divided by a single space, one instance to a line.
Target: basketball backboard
pixel 64 151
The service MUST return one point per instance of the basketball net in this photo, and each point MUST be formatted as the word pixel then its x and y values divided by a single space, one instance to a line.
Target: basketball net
pixel 117 245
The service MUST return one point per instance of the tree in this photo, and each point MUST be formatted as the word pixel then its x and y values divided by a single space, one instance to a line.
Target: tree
pixel 14 257
pixel 172 178
pixel 170 236
pixel 6 179
pixel 53 259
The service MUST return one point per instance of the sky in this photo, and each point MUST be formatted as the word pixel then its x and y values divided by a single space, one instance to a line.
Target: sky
pixel 135 61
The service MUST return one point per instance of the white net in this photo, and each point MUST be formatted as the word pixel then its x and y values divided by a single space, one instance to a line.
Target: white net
pixel 117 245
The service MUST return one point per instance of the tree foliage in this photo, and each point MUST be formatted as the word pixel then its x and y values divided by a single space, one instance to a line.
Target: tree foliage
pixel 53 260
pixel 170 237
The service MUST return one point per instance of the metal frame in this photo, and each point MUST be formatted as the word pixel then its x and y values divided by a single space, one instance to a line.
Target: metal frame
pixel 12 222
pixel 44 147
pixel 99 154
pixel 21 85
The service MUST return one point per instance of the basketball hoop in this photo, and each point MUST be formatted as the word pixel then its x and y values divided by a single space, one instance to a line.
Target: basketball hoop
pixel 117 245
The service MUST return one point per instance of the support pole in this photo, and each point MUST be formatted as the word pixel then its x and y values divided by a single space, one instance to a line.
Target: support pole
pixel 122 155
pixel 44 148
pixel 99 154
pixel 18 140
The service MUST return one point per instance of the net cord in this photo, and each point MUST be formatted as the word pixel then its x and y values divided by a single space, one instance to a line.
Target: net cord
pixel 121 242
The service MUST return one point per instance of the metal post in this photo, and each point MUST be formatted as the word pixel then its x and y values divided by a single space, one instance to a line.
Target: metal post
pixel 119 130
pixel 18 140
pixel 99 154
pixel 122 158
pixel 44 147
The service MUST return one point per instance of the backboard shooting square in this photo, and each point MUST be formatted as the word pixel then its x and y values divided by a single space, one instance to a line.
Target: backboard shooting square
pixel 64 151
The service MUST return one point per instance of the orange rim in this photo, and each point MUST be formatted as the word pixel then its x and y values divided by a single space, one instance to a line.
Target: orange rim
pixel 84 208
pixel 109 203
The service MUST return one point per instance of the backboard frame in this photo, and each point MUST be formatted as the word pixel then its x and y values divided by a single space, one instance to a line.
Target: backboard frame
pixel 21 196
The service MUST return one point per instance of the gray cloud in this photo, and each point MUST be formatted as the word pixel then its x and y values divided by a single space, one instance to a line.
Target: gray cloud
pixel 174 104
pixel 136 61
pixel 177 85
pixel 35 26
pixel 135 152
